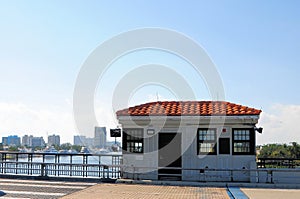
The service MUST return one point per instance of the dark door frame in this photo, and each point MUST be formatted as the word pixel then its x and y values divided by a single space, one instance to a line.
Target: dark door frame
pixel 169 155
pixel 224 150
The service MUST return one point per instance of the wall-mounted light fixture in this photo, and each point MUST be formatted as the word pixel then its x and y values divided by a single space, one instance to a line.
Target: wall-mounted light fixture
pixel 150 132
pixel 260 129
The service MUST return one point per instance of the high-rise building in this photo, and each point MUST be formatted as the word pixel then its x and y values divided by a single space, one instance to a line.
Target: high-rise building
pixel 4 141
pixel 53 140
pixel 11 140
pixel 31 141
pixel 100 137
pixel 83 141
pixel 25 140
pixel 89 142
pixel 79 140
pixel 36 141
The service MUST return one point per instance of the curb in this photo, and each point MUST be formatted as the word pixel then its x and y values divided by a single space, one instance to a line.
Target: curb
pixel 209 184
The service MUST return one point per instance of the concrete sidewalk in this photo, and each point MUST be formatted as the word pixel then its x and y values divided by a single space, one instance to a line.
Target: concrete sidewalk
pixel 262 193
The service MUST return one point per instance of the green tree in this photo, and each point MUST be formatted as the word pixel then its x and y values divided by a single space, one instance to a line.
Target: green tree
pixel 13 148
pixel 280 151
pixel 66 146
pixel 76 147
pixel 57 147
pixel 37 148
pixel 295 150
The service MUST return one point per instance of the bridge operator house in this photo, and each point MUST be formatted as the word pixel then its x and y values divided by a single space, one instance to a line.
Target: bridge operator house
pixel 187 140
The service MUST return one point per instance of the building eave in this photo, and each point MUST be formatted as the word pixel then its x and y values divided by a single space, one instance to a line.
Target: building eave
pixel 190 120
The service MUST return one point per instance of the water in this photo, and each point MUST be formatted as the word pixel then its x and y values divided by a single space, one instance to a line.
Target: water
pixel 106 160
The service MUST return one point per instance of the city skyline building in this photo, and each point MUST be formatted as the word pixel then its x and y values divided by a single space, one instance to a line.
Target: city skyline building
pixel 53 140
pixel 98 141
pixel 100 137
pixel 11 140
pixel 4 141
pixel 89 142
pixel 25 140
pixel 79 140
pixel 37 142
pixel 31 141
pixel 82 140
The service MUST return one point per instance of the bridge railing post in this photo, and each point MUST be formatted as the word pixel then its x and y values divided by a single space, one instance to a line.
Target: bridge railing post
pixel 43 169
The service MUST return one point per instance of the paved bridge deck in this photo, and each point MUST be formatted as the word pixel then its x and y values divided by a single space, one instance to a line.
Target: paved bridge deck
pixel 135 191
pixel 46 189
pixel 38 189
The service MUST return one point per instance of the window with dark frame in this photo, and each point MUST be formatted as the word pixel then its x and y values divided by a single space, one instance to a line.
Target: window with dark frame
pixel 133 141
pixel 207 141
pixel 243 141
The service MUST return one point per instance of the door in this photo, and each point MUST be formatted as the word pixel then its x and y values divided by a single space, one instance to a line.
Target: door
pixel 223 159
pixel 224 146
pixel 169 156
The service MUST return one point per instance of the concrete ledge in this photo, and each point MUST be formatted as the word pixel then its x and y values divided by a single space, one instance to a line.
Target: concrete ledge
pixel 210 184
pixel 157 182
pixel 172 183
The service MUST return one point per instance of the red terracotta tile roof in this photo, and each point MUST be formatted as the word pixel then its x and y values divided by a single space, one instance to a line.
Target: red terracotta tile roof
pixel 188 108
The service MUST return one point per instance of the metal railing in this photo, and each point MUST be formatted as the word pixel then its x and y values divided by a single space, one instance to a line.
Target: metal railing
pixel 110 166
pixel 59 164
pixel 278 162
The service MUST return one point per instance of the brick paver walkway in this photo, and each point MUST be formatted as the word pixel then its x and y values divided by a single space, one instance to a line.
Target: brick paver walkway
pixel 128 191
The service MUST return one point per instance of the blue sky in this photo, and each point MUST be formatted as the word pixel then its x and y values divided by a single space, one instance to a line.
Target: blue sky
pixel 254 45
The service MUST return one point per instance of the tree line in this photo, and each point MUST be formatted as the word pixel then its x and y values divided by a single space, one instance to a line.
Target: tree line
pixel 65 146
pixel 291 150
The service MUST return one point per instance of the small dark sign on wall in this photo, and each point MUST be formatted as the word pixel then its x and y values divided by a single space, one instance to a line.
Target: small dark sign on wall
pixel 115 132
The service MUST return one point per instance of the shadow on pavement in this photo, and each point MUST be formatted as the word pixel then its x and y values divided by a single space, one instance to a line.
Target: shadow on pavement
pixel 2 193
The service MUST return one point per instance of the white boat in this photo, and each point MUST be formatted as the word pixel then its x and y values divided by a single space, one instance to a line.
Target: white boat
pixel 50 150
pixel 72 151
pixel 84 150
pixel 102 150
